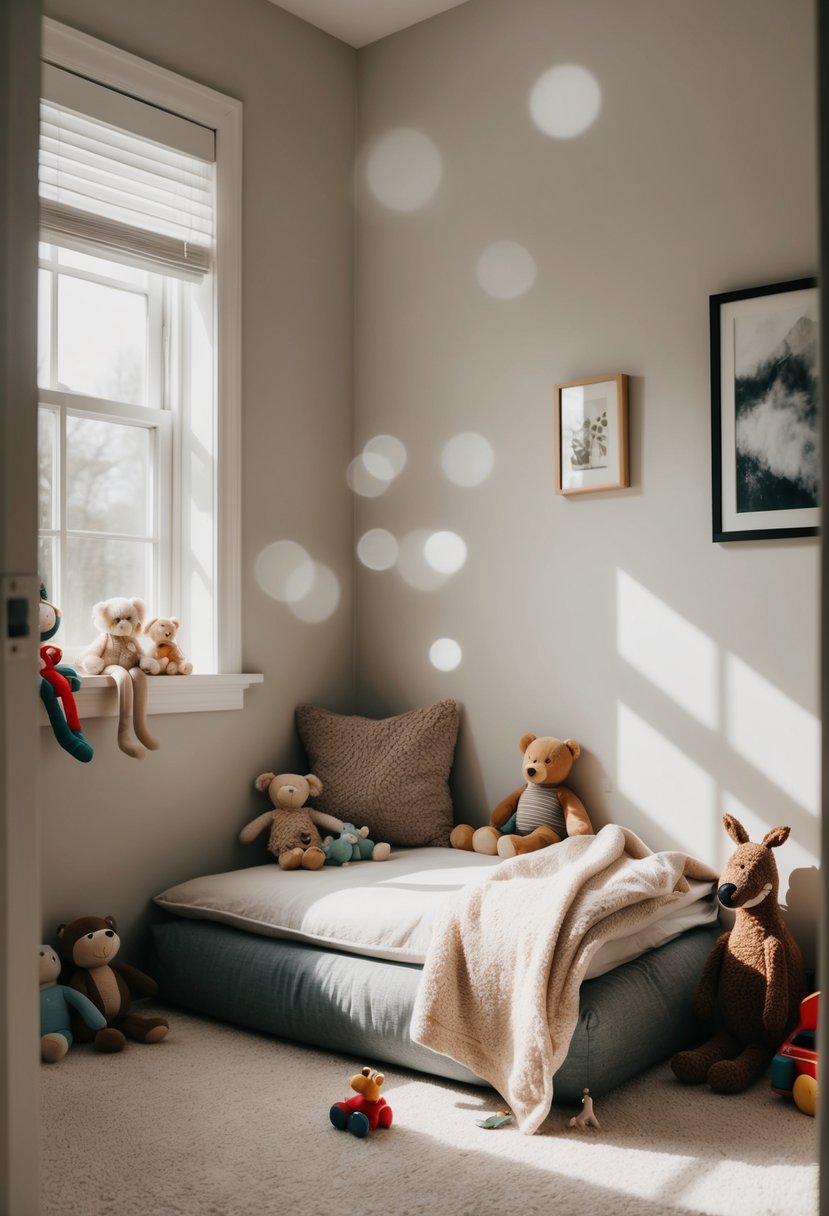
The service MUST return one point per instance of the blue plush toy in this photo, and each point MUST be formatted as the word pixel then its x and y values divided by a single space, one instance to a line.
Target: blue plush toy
pixel 353 844
pixel 56 1004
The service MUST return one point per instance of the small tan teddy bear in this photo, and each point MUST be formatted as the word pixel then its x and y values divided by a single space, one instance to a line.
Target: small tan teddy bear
pixel 165 650
pixel 294 840
pixel 538 814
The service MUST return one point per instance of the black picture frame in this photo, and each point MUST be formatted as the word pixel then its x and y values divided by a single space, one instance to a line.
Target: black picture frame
pixel 765 411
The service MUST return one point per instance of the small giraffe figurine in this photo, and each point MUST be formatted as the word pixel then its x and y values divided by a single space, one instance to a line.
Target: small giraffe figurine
pixel 752 982
pixel 586 1118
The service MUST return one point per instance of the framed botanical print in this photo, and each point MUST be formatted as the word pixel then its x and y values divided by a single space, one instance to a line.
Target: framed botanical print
pixel 591 434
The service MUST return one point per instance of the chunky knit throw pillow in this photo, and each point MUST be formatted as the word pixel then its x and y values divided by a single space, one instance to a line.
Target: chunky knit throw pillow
pixel 391 774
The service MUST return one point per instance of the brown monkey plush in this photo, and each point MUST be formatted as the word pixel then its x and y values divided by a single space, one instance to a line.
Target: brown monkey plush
pixel 91 944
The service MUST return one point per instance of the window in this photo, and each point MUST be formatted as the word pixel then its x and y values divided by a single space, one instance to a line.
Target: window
pixel 139 342
pixel 106 436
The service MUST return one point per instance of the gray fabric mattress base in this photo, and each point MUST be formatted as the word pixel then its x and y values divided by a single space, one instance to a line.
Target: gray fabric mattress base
pixel 629 1018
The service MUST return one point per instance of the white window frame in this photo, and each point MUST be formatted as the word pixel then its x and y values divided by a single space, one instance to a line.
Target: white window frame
pixel 109 66
pixel 149 415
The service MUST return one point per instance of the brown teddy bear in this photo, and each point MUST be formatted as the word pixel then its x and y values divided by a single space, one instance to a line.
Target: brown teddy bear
pixel 117 652
pixel 536 815
pixel 91 944
pixel 753 981
pixel 161 631
pixel 294 840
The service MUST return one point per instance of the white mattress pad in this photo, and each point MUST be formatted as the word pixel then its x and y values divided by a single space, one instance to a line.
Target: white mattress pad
pixel 386 909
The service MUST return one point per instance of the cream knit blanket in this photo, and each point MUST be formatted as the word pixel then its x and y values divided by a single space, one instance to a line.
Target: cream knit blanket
pixel 500 987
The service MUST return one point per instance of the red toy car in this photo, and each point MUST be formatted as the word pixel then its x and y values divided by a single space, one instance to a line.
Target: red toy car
pixel 794 1068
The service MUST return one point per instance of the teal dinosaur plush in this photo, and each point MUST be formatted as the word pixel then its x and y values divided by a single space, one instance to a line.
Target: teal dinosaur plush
pixel 353 844
pixel 57 1001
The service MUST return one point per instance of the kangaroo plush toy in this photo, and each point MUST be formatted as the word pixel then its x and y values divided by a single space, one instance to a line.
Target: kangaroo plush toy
pixel 752 982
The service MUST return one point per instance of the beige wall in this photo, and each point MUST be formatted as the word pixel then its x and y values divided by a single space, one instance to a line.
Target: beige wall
pixel 687 670
pixel 116 830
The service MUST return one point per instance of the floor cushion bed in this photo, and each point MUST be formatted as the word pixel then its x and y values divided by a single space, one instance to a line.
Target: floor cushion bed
pixel 334 959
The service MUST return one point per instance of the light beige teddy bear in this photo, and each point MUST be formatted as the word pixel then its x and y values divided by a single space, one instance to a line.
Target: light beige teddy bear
pixel 294 840
pixel 162 630
pixel 117 652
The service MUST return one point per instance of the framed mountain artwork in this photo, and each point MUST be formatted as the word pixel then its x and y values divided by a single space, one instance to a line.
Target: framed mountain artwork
pixel 765 399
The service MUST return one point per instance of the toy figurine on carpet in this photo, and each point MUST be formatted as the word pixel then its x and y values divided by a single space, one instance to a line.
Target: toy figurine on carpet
pixel 58 682
pixel 752 982
pixel 367 1110
pixel 540 813
pixel 587 1118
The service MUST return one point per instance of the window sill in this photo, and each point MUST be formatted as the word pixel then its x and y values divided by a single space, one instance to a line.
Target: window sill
pixel 97 696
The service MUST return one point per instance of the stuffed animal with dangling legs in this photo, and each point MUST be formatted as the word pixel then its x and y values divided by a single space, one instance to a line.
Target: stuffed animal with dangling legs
pixel 117 653
pixel 58 682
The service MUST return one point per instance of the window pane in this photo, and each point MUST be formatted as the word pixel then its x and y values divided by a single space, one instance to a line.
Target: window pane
pixel 46 567
pixel 109 270
pixel 102 340
pixel 99 569
pixel 44 328
pixel 108 477
pixel 47 446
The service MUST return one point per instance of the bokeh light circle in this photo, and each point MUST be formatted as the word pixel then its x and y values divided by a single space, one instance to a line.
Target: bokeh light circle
pixel 284 571
pixel 412 565
pixel 445 654
pixel 364 481
pixel 445 552
pixel 506 270
pixel 404 170
pixel 377 549
pixel 467 459
pixel 385 454
pixel 321 600
pixel 565 101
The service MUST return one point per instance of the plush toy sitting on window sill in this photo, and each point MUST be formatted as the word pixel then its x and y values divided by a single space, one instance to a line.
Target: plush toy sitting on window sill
pixel 117 652
pixel 161 631
pixel 57 684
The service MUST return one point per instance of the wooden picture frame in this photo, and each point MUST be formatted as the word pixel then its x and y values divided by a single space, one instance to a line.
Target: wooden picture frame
pixel 591 434
pixel 765 407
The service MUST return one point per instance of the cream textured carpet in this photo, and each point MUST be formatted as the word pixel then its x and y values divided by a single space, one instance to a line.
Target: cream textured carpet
pixel 216 1121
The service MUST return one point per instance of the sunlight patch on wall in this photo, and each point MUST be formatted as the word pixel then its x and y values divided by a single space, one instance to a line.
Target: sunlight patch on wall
pixel 445 654
pixel 467 459
pixel 284 571
pixel 775 734
pixel 667 649
pixel 377 549
pixel 565 101
pixel 506 270
pixel 404 170
pixel 445 552
pixel 663 782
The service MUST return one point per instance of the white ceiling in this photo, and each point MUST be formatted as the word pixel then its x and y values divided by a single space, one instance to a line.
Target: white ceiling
pixel 359 22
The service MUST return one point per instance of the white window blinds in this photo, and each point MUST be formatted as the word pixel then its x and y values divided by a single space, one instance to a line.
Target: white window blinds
pixel 124 176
